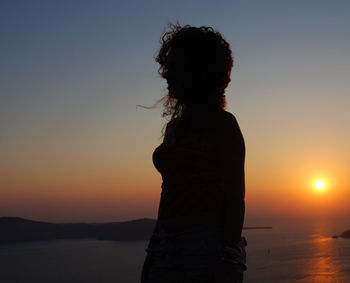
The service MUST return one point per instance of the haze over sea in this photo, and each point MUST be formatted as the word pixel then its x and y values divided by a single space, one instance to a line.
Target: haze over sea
pixel 292 251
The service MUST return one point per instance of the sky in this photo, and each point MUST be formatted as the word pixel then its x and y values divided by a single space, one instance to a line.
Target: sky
pixel 74 146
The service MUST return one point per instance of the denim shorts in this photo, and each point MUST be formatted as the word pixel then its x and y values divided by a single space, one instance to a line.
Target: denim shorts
pixel 191 256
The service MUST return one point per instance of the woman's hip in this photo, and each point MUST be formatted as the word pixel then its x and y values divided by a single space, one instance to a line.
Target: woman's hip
pixel 189 256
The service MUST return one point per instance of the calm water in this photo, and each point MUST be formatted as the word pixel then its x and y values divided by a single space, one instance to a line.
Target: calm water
pixel 303 253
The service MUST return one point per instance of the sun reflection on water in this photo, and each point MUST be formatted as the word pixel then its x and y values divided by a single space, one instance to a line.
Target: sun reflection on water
pixel 324 265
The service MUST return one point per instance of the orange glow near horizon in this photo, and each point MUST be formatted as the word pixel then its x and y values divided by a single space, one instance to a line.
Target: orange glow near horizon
pixel 118 187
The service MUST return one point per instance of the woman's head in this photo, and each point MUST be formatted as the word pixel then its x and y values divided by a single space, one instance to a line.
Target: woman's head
pixel 196 63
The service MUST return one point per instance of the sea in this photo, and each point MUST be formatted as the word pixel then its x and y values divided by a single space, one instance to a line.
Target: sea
pixel 289 252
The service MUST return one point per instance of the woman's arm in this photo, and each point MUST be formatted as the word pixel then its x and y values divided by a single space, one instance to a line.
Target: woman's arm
pixel 232 157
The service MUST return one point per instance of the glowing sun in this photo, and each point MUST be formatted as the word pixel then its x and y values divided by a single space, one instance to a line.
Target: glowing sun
pixel 320 185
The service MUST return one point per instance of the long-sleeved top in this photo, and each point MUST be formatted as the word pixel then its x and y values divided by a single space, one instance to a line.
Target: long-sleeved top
pixel 200 170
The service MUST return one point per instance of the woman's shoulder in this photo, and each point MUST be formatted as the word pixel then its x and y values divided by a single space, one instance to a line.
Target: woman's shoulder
pixel 171 125
pixel 229 132
pixel 227 120
pixel 169 133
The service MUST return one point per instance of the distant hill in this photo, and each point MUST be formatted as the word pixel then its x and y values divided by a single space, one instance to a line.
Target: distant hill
pixel 15 229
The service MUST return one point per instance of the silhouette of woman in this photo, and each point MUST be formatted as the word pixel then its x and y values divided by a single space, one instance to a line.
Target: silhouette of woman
pixel 197 237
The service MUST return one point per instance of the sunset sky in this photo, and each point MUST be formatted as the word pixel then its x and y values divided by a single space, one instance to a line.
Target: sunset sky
pixel 74 146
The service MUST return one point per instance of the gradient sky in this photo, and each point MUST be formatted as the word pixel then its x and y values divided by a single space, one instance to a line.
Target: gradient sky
pixel 74 146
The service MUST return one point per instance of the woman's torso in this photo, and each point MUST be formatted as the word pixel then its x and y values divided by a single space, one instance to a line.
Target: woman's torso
pixel 188 161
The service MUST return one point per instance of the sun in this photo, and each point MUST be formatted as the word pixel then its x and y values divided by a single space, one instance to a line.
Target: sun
pixel 320 185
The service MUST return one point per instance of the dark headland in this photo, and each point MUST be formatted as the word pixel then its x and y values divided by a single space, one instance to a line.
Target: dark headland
pixel 15 229
pixel 345 235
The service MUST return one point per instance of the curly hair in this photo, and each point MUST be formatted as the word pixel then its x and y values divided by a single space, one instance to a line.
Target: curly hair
pixel 196 63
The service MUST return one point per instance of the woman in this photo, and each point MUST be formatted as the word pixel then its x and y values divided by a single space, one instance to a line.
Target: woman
pixel 197 237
